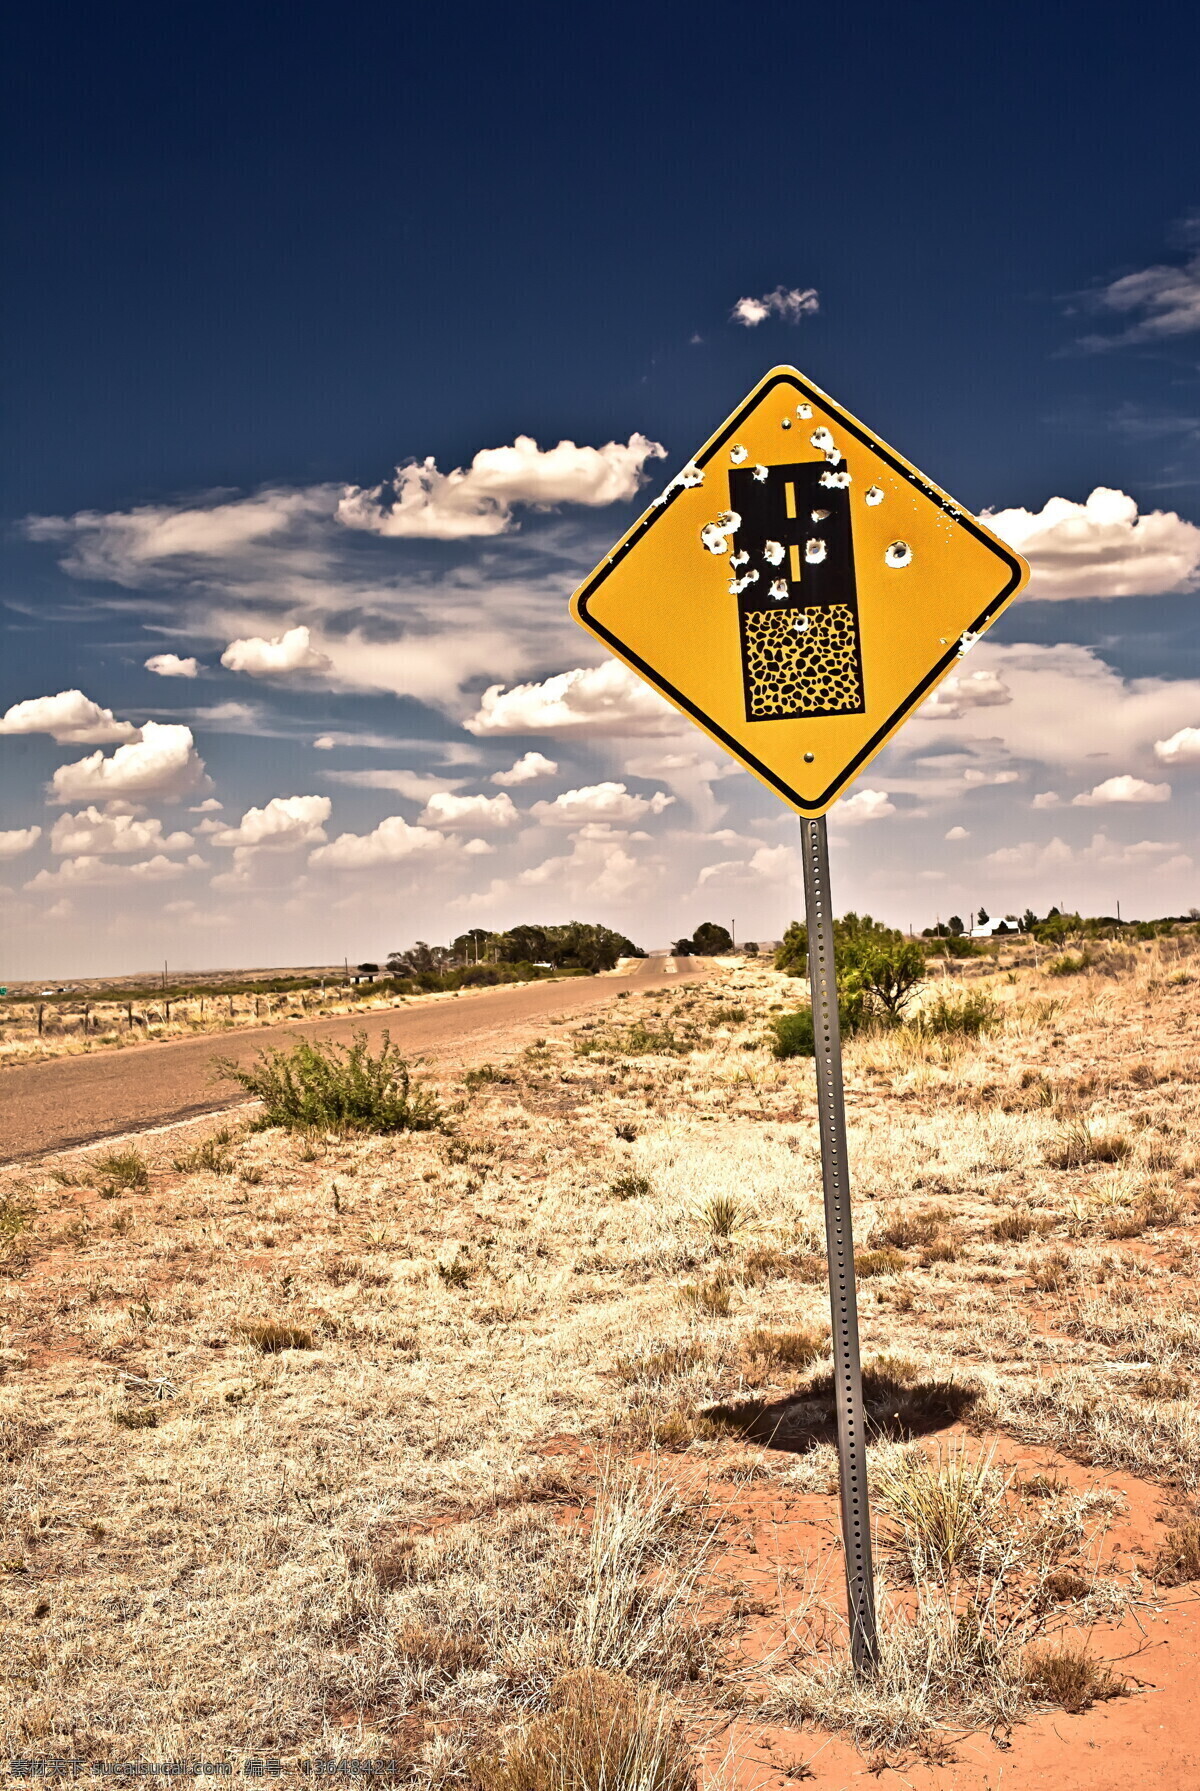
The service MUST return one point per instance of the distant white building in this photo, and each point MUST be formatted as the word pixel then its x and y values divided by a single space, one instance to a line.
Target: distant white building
pixel 991 928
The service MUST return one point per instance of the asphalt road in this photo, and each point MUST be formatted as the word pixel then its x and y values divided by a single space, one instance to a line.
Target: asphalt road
pixel 70 1101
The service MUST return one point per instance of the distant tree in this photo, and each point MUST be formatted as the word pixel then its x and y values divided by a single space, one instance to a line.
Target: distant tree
pixel 711 938
pixel 368 969
pixel 982 917
pixel 751 948
pixel 955 926
pixel 1029 920
pixel 791 954
pixel 886 974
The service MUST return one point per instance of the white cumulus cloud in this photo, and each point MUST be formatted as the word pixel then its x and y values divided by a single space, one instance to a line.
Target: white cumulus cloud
pixel 788 303
pixel 958 833
pixel 282 825
pixel 864 805
pixel 1183 748
pixel 1122 789
pixel 291 651
pixel 527 769
pixel 605 699
pixel 446 810
pixel 959 692
pixel 169 665
pixel 389 843
pixel 599 802
pixel 1102 548
pixel 91 871
pixel 92 833
pixel 163 764
pixel 17 840
pixel 69 717
pixel 478 500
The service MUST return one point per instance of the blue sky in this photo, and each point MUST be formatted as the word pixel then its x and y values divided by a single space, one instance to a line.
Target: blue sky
pixel 259 261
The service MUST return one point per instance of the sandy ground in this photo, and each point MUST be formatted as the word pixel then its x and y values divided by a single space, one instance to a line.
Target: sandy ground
pixel 544 1394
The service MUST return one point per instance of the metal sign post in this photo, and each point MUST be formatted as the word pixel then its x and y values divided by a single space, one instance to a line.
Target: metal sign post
pixel 839 1244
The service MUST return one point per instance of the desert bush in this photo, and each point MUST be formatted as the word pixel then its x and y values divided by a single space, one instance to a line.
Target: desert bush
pixel 456 1273
pixel 601 1734
pixel 946 1508
pixel 1068 965
pixel 904 1230
pixel 630 1186
pixel 941 1250
pixel 793 1035
pixel 658 1363
pixel 766 1262
pixel 868 1263
pixel 964 1013
pixel 712 1297
pixel 211 1156
pixel 1068 1676
pixel 885 975
pixel 121 1171
pixel 271 1338
pixel 14 1219
pixel 1079 1143
pixel 138 1417
pixel 1064 1586
pixel 1178 1562
pixel 763 1350
pixel 1052 1272
pixel 338 1088
pixel 722 1215
pixel 638 1040
pixel 941 1664
pixel 1015 1226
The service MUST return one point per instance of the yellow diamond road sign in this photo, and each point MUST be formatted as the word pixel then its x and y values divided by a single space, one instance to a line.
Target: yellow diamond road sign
pixel 798 590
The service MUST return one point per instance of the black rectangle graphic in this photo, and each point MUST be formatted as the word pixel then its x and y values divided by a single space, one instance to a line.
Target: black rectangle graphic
pixel 797 601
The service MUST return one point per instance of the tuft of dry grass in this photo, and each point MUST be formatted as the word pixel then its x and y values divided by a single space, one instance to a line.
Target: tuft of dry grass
pixel 905 1230
pixel 270 1337
pixel 1015 1226
pixel 1067 1675
pixel 946 1508
pixel 763 1350
pixel 887 1261
pixel 601 1733
pixel 1080 1142
pixel 1178 1560
pixel 121 1171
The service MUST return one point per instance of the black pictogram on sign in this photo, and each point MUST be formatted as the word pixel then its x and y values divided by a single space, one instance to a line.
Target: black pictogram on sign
pixel 798 618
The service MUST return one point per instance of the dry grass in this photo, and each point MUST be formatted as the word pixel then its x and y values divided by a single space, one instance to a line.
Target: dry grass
pixel 444 1421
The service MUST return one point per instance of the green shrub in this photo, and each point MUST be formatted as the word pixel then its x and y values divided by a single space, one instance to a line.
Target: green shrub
pixel 340 1088
pixel 211 1156
pixel 119 1170
pixel 13 1220
pixel 1068 965
pixel 885 974
pixel 630 1186
pixel 793 1034
pixel 967 1012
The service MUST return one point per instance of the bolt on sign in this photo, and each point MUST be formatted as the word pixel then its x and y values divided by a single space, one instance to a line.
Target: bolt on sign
pixel 798 590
